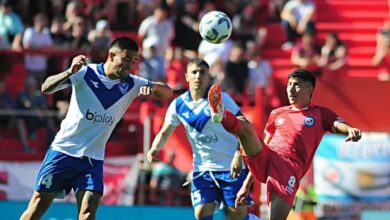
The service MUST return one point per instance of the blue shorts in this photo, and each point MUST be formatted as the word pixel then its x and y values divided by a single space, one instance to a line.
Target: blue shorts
pixel 61 173
pixel 205 189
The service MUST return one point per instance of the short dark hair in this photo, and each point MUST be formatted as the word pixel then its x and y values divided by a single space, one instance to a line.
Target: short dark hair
pixel 304 75
pixel 125 43
pixel 199 62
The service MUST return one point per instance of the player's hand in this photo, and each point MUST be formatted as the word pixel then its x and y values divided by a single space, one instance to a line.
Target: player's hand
pixel 77 62
pixel 354 135
pixel 146 90
pixel 241 196
pixel 152 155
pixel 236 165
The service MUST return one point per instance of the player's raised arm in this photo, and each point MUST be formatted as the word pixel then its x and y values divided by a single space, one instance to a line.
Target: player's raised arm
pixel 159 141
pixel 157 89
pixel 57 82
pixel 353 134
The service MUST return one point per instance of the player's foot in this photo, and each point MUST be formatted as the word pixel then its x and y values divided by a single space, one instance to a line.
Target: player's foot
pixel 216 107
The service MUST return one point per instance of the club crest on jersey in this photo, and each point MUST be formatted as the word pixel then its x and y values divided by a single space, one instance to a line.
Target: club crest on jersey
pixel 309 121
pixel 123 87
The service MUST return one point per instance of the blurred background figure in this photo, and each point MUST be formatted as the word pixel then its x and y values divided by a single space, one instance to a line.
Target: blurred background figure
pixel 165 179
pixel 333 54
pixel 6 103
pixel 159 28
pixel 298 17
pixel 307 53
pixel 187 24
pixel 58 34
pixel 35 38
pixel 72 14
pixel 216 55
pixel 78 37
pixel 100 39
pixel 32 99
pixel 381 58
pixel 176 68
pixel 11 27
pixel 152 65
pixel 246 27
pixel 274 10
pixel 236 73
pixel 260 74
pixel 382 43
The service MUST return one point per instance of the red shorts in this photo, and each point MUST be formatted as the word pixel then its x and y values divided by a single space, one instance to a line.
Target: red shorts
pixel 280 174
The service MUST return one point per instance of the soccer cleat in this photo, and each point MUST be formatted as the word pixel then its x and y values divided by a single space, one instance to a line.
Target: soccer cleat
pixel 215 103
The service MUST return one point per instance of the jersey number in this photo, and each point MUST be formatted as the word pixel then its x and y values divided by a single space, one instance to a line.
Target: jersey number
pixel 196 197
pixel 47 181
pixel 291 181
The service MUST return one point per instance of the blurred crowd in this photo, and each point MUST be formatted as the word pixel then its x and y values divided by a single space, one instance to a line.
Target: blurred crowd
pixel 167 31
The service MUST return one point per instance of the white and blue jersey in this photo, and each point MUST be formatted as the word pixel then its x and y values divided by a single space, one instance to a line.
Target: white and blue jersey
pixel 75 158
pixel 96 106
pixel 212 146
pixel 213 149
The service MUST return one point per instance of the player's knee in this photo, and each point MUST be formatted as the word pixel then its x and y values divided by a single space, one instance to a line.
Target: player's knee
pixel 238 213
pixel 38 203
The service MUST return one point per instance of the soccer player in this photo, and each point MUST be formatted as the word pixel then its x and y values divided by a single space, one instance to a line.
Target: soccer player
pixel 101 93
pixel 293 134
pixel 218 173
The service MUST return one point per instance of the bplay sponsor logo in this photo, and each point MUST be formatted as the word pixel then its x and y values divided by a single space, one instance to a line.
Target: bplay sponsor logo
pixel 99 118
pixel 207 139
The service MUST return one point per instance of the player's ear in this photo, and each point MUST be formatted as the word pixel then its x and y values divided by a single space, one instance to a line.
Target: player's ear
pixel 186 76
pixel 111 55
pixel 311 90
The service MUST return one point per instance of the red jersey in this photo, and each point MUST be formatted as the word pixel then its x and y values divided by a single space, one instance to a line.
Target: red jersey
pixel 296 134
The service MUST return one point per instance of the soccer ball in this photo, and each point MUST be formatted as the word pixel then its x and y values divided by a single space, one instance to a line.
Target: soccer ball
pixel 215 27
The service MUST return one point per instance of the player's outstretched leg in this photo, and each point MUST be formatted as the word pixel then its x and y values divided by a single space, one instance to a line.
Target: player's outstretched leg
pixel 215 101
pixel 236 125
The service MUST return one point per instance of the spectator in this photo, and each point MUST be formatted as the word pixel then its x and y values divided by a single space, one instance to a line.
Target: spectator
pixel 152 66
pixel 100 39
pixel 236 72
pixel 176 70
pixel 274 9
pixel 297 18
pixel 246 29
pixel 11 27
pixel 32 99
pixel 260 72
pixel 213 54
pixel 72 14
pixel 60 42
pixel 208 6
pixel 58 34
pixel 37 38
pixel 6 103
pixel 382 44
pixel 166 178
pixel 307 53
pixel 78 38
pixel 187 24
pixel 333 53
pixel 158 27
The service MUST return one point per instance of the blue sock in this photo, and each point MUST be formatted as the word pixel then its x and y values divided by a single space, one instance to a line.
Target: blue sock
pixel 210 217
